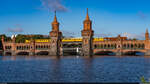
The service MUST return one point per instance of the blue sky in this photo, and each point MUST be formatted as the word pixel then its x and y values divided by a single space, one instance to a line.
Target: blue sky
pixel 110 17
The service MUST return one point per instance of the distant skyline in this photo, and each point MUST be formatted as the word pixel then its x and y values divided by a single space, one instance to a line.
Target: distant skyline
pixel 110 17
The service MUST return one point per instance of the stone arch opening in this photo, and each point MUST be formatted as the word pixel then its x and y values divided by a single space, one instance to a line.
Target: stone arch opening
pixel 1 53
pixel 107 53
pixel 95 46
pixel 43 53
pixel 112 46
pixel 1 45
pixel 8 53
pixel 108 45
pixel 135 46
pixel 71 45
pixel 70 53
pixel 134 53
pixel 23 53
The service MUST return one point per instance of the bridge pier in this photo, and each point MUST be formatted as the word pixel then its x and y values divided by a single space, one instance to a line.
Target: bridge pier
pixel 2 53
pixel 31 53
pixel 147 53
pixel 119 54
pixel 13 53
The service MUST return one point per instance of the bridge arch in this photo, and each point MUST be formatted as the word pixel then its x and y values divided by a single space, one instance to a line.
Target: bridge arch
pixel 134 53
pixel 42 53
pixel 109 53
pixel 72 52
pixel 23 53
pixel 72 45
pixel 8 53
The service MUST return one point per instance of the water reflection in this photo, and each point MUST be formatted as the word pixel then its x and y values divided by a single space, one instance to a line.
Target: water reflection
pixel 73 69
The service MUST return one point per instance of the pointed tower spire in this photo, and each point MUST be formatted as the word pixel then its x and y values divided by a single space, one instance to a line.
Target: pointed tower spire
pixel 55 24
pixel 147 30
pixel 87 16
pixel 87 22
pixel 55 18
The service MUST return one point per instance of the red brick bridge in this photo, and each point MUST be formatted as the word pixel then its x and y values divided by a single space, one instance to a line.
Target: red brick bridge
pixel 118 47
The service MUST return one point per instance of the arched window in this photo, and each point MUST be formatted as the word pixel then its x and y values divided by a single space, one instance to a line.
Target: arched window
pixel 135 46
pixel 124 46
pixel 102 46
pixel 143 46
pixel 105 46
pixel 108 45
pixel 131 45
pixel 95 46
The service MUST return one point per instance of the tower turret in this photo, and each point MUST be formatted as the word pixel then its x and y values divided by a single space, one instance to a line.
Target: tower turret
pixel 3 39
pixel 147 43
pixel 55 24
pixel 13 38
pixel 13 45
pixel 87 22
pixel 147 35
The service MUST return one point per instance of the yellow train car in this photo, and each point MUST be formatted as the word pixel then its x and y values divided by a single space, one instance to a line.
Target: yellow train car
pixel 72 40
pixel 98 39
pixel 27 41
pixel 42 40
pixel 38 40
pixel 64 40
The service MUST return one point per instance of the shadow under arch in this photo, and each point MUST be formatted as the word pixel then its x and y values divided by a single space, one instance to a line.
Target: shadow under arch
pixel 23 53
pixel 70 53
pixel 42 53
pixel 108 53
pixel 1 53
pixel 8 53
pixel 134 53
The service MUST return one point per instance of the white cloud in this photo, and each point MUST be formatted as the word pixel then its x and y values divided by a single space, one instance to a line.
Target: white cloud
pixel 53 5
pixel 131 36
pixel 16 29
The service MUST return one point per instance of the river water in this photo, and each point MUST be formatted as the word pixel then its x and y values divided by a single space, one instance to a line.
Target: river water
pixel 74 69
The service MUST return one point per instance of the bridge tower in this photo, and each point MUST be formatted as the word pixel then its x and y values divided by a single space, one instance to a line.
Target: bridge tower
pixel 87 37
pixel 119 46
pixel 13 45
pixel 147 35
pixel 56 36
pixel 2 41
pixel 32 49
pixel 147 43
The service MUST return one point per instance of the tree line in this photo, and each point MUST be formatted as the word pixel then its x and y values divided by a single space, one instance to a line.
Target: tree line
pixel 20 38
